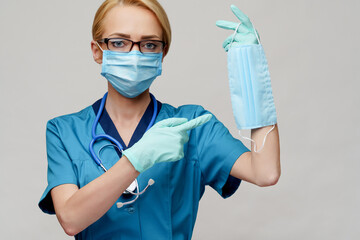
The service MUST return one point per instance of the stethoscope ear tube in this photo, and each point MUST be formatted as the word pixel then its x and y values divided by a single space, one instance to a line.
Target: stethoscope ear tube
pixel 137 194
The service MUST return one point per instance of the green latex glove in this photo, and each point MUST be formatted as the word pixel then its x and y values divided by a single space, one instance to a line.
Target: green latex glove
pixel 245 33
pixel 164 142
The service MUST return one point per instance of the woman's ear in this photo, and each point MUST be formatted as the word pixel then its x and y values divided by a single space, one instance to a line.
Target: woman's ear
pixel 97 52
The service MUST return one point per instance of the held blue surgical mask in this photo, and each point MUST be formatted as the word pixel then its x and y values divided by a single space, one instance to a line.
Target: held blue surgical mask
pixel 131 73
pixel 250 87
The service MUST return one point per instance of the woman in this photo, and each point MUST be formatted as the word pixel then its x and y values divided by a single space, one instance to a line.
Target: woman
pixel 186 149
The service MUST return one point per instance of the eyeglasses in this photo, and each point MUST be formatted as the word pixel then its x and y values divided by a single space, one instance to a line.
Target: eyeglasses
pixel 125 45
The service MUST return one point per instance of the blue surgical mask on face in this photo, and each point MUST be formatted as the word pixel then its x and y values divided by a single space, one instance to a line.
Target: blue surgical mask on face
pixel 131 73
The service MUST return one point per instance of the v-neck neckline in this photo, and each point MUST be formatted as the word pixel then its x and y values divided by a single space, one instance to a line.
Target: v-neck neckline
pixel 109 127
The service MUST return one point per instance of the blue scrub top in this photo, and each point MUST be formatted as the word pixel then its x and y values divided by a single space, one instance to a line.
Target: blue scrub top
pixel 168 209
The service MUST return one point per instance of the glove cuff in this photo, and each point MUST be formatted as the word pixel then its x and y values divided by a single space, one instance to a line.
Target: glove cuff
pixel 133 160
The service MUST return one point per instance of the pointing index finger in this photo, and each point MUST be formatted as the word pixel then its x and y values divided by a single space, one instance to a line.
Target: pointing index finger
pixel 195 122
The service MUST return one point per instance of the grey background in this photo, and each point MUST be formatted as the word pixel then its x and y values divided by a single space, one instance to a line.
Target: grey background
pixel 47 70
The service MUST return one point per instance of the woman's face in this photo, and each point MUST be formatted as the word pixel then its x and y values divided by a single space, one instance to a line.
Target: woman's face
pixel 134 23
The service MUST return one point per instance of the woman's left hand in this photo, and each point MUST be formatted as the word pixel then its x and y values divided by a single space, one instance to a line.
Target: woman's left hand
pixel 245 32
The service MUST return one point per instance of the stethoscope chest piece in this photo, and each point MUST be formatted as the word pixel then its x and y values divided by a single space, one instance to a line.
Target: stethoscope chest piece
pixel 131 188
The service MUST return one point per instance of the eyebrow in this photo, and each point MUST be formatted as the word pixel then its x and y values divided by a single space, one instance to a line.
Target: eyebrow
pixel 120 35
pixel 145 37
pixel 150 37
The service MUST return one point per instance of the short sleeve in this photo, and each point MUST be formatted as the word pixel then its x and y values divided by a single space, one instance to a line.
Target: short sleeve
pixel 60 167
pixel 218 150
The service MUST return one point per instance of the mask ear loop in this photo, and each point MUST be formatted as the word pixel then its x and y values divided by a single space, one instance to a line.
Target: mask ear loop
pixel 256 34
pixel 237 28
pixel 263 144
pixel 232 40
pixel 100 47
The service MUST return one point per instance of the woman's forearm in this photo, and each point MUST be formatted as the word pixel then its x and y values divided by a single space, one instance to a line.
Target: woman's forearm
pixel 76 208
pixel 266 163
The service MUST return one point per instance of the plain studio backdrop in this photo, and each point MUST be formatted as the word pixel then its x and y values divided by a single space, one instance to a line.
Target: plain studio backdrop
pixel 47 70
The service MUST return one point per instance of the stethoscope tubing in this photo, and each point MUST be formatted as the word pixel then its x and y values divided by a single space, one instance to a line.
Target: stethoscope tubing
pixel 118 145
pixel 108 137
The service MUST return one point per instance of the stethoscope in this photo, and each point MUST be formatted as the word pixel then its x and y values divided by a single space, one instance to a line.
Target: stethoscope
pixel 134 185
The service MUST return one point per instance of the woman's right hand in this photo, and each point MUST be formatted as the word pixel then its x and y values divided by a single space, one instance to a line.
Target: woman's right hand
pixel 164 142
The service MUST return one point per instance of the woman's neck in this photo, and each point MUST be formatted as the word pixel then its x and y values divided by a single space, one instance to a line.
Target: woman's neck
pixel 122 109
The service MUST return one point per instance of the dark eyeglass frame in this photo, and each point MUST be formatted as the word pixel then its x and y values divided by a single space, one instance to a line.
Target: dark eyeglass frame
pixel 106 41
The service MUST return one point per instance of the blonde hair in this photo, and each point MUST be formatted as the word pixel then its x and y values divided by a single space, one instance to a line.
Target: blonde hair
pixel 151 5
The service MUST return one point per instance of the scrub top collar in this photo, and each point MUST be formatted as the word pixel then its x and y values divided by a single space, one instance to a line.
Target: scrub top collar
pixel 109 127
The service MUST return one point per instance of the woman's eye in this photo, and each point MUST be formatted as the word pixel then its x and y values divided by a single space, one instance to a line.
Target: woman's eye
pixel 150 45
pixel 118 44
